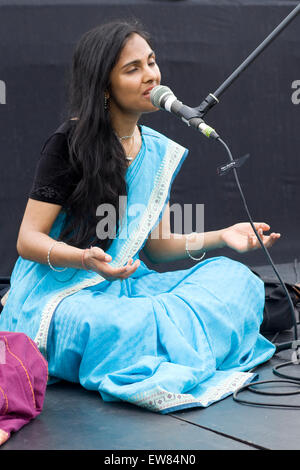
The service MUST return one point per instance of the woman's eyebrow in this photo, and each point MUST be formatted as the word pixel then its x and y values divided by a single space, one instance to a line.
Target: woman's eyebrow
pixel 137 61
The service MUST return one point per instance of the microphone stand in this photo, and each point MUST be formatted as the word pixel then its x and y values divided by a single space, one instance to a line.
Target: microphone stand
pixel 200 111
pixel 212 98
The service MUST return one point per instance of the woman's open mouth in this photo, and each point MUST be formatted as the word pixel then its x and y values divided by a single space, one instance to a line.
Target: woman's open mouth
pixel 147 92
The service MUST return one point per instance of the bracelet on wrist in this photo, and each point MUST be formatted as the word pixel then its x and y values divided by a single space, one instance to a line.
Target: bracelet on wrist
pixel 48 258
pixel 83 261
pixel 187 250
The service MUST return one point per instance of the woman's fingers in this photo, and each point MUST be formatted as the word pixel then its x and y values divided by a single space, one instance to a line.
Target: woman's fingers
pixel 262 225
pixel 126 271
pixel 123 272
pixel 131 268
pixel 272 239
pixel 99 254
pixel 267 240
pixel 98 260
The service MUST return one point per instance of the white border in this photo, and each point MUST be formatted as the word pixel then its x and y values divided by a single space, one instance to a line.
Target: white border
pixel 157 199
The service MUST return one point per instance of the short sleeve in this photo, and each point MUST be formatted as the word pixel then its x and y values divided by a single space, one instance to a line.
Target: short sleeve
pixel 54 180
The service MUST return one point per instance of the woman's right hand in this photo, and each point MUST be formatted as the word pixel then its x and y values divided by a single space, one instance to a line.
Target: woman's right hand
pixel 97 260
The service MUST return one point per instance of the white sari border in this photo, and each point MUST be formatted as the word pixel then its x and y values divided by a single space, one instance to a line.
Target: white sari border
pixel 163 178
pixel 163 401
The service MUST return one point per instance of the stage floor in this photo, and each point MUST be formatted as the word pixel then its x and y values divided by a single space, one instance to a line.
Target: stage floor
pixel 76 419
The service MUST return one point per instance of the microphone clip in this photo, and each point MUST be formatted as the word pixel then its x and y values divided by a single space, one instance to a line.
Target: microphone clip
pixel 207 104
pixel 223 169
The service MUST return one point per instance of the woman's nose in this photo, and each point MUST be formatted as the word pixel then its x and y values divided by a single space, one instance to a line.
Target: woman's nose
pixel 150 74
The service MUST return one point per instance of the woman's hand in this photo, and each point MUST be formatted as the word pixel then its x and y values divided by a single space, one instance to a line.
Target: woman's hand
pixel 97 260
pixel 241 237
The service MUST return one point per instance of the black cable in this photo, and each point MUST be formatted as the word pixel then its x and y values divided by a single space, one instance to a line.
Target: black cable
pixel 251 387
pixel 269 405
pixel 203 108
pixel 260 241
pixel 285 376
pixel 292 380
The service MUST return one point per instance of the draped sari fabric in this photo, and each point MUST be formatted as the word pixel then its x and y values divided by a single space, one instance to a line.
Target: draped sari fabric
pixel 163 341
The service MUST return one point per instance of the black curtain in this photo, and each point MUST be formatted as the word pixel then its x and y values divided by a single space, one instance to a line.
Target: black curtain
pixel 198 44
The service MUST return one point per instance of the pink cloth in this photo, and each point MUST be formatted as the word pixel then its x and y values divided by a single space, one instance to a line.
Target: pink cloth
pixel 23 381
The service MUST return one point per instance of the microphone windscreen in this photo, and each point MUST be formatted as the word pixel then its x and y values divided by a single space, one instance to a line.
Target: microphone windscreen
pixel 157 93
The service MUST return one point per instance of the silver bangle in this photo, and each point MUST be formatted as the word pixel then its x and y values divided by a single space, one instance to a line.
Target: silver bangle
pixel 48 258
pixel 187 250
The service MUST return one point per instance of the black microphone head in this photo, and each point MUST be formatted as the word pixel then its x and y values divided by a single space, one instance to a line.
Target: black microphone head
pixel 158 93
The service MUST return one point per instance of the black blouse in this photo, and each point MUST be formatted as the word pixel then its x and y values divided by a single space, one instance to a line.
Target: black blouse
pixel 55 179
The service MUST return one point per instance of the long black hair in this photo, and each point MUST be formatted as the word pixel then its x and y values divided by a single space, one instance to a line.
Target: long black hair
pixel 96 154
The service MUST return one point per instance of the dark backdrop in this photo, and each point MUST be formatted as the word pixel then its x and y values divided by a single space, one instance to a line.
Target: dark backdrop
pixel 198 44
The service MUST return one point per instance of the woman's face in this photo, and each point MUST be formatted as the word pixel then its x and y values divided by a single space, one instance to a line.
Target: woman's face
pixel 133 77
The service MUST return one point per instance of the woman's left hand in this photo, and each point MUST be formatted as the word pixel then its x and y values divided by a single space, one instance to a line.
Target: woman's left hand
pixel 241 237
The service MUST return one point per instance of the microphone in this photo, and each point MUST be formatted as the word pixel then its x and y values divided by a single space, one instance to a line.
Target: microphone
pixel 162 97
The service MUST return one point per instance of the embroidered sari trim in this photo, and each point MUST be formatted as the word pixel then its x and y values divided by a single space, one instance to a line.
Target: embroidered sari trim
pixel 163 178
pixel 163 401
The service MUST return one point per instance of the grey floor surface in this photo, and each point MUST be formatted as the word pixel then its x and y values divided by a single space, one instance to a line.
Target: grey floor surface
pixel 77 419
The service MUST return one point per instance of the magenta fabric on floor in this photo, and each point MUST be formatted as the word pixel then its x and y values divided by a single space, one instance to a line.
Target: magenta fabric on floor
pixel 23 381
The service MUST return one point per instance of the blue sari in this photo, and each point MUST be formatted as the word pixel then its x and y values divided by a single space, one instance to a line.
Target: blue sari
pixel 163 341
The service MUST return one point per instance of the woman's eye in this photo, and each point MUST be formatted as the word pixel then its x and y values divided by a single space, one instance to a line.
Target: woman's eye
pixel 152 63
pixel 132 70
